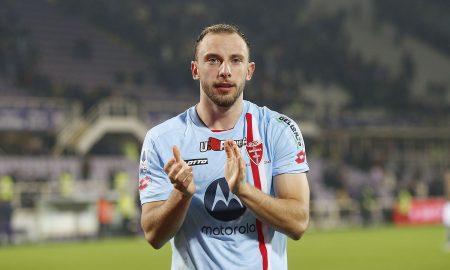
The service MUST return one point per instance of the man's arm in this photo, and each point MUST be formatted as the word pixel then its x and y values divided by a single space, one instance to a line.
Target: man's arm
pixel 161 220
pixel 288 212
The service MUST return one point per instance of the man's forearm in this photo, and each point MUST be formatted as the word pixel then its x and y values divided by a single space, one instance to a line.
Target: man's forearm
pixel 289 216
pixel 161 222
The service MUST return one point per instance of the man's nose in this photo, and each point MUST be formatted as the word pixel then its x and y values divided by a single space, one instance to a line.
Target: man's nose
pixel 225 70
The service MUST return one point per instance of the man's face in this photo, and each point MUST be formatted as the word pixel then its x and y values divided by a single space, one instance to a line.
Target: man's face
pixel 222 66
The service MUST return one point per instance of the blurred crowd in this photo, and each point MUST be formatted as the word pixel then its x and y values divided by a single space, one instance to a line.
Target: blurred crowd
pixel 293 48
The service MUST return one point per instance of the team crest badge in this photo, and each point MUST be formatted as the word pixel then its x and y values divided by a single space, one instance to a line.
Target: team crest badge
pixel 255 151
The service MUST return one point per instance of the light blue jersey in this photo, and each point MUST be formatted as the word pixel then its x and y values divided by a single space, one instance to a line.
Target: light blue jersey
pixel 219 232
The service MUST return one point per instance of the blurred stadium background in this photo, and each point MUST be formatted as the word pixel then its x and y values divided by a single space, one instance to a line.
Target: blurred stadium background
pixel 81 81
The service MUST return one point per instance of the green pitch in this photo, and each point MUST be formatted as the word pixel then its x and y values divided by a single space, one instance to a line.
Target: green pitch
pixel 378 248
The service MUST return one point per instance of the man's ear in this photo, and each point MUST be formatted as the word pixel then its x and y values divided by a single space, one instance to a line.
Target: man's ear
pixel 250 69
pixel 194 70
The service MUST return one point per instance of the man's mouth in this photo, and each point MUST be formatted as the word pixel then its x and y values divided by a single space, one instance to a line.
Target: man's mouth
pixel 224 86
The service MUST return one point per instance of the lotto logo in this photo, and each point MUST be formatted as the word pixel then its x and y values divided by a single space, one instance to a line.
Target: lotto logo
pixel 301 156
pixel 143 183
pixel 194 162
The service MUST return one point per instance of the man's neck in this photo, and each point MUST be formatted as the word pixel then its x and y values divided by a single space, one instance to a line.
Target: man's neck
pixel 219 118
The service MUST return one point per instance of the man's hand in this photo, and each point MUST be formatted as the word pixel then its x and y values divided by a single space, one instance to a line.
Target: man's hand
pixel 234 167
pixel 180 174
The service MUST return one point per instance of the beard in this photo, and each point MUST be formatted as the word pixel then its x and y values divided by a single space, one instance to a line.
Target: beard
pixel 224 101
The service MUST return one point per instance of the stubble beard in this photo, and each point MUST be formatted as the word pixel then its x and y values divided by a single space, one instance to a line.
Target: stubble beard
pixel 224 101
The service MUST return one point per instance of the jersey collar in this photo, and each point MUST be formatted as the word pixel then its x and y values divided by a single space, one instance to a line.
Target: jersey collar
pixel 197 122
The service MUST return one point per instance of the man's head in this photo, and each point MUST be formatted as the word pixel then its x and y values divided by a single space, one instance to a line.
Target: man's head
pixel 222 64
pixel 221 29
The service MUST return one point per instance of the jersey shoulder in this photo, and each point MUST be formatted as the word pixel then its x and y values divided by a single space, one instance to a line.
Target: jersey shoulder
pixel 277 125
pixel 171 127
pixel 266 115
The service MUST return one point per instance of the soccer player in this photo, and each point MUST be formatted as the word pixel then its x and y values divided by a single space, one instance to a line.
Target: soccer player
pixel 225 180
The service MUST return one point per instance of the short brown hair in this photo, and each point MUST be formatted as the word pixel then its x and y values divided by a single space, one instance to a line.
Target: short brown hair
pixel 218 29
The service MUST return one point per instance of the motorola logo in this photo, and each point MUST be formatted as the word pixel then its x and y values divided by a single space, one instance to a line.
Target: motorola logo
pixel 220 203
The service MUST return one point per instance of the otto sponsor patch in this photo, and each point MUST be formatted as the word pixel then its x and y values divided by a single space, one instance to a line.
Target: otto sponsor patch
pixel 195 162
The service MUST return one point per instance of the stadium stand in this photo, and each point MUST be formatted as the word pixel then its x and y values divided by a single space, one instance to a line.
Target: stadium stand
pixel 71 51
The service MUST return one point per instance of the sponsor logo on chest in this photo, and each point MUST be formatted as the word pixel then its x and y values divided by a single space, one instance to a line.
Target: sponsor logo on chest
pixel 195 162
pixel 214 144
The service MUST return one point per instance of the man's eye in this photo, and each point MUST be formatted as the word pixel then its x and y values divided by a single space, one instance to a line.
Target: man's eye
pixel 213 60
pixel 236 60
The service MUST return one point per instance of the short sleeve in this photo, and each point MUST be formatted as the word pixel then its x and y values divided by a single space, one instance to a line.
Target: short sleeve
pixel 154 184
pixel 289 152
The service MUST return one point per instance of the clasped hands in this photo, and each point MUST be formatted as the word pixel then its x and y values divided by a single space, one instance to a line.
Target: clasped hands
pixel 180 174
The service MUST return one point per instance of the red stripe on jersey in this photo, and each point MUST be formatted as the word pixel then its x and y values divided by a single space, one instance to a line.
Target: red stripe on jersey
pixel 257 182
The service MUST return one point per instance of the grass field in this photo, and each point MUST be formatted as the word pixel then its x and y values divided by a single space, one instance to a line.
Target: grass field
pixel 377 248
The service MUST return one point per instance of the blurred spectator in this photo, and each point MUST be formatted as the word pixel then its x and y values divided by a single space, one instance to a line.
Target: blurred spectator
pixel 66 185
pixel 127 210
pixel 105 211
pixel 368 205
pixel 6 208
pixel 125 202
